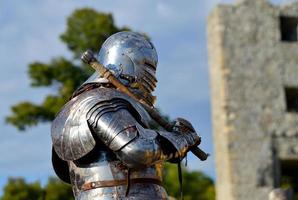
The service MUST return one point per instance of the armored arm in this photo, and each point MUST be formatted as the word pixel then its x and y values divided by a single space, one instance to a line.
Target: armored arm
pixel 118 125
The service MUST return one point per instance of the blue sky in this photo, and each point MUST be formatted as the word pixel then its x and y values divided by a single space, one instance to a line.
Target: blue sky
pixel 29 32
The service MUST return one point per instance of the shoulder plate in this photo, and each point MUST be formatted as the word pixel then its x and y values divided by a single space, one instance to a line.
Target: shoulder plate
pixel 71 136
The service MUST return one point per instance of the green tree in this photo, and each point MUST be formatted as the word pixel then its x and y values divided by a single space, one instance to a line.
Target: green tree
pixel 86 29
pixel 18 189
pixel 56 190
pixel 196 185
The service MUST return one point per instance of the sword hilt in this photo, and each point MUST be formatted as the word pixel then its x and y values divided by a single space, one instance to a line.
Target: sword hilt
pixel 88 57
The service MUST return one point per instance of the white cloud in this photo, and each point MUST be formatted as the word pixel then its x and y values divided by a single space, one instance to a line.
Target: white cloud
pixel 8 86
pixel 164 9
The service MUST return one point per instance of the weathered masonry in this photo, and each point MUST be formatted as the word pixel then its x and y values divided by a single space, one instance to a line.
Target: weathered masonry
pixel 253 56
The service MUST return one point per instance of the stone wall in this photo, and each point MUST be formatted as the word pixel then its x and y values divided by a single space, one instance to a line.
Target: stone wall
pixel 250 67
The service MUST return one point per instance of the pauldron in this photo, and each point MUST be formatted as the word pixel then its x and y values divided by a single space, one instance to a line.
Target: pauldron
pixel 71 134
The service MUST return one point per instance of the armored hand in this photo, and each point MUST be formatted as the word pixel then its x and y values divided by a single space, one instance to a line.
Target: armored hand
pixel 185 128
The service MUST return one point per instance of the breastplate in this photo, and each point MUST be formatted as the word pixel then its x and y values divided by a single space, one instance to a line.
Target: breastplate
pixel 104 166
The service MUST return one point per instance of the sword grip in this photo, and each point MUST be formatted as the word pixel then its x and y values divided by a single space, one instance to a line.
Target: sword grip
pixel 199 153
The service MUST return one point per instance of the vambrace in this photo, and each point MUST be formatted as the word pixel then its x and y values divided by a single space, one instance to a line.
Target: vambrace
pixel 112 123
pixel 143 151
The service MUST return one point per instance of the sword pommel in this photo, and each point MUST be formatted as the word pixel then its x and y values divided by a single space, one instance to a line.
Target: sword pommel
pixel 88 57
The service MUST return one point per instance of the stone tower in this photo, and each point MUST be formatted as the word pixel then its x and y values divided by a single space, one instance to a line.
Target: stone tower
pixel 253 57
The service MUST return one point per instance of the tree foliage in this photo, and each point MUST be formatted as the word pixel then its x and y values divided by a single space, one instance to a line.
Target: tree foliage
pixel 86 29
pixel 19 189
pixel 56 190
pixel 196 185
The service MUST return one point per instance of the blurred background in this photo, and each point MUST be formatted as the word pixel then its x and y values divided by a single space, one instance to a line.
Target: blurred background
pixel 39 48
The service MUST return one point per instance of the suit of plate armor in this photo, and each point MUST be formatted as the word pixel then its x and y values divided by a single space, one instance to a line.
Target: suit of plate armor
pixel 103 143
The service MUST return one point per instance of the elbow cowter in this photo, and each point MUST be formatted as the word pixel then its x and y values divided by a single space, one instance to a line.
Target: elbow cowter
pixel 143 151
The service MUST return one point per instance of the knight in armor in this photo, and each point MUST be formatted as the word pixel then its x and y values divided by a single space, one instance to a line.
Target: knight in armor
pixel 103 141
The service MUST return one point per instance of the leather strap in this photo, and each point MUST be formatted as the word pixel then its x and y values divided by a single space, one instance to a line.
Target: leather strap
pixel 180 180
pixel 128 182
pixel 112 183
